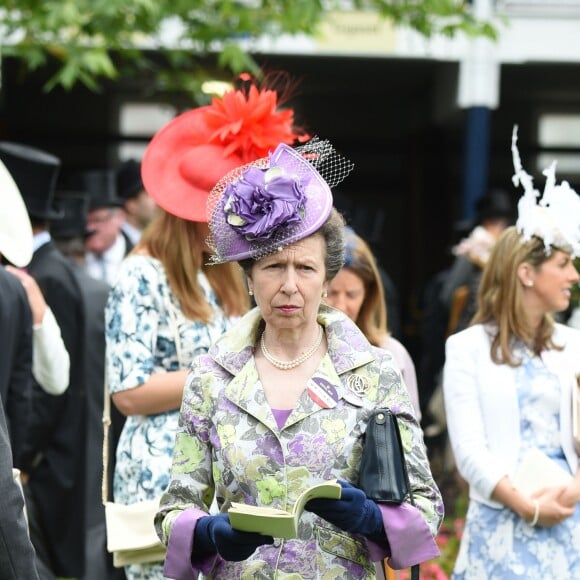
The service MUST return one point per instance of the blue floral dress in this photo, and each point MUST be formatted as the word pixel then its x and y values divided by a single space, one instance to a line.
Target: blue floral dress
pixel 142 316
pixel 498 544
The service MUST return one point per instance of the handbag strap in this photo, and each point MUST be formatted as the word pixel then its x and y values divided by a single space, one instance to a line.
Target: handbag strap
pixel 106 426
pixel 415 568
pixel 107 399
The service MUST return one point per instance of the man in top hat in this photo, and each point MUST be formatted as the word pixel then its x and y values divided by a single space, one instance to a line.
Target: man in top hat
pixel 107 245
pixel 140 209
pixel 17 556
pixel 15 313
pixel 54 449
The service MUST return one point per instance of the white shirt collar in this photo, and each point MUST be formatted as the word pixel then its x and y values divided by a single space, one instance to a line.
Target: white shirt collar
pixel 106 265
pixel 40 239
pixel 132 232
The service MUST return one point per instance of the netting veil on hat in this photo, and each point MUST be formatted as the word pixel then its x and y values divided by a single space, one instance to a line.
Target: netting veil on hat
pixel 555 217
pixel 261 207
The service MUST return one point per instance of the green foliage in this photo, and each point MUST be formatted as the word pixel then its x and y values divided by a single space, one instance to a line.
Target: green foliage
pixel 93 39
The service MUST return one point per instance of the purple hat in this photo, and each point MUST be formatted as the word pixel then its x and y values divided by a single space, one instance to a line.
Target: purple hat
pixel 261 207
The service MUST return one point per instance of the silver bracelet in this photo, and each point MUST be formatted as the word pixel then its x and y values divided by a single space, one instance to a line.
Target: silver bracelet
pixel 536 513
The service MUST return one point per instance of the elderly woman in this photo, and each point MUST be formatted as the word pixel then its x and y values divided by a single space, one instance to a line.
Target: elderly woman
pixel 282 399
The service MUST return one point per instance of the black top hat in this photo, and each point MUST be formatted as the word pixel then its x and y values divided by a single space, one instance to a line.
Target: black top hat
pixel 129 182
pixel 100 185
pixel 35 173
pixel 496 203
pixel 74 207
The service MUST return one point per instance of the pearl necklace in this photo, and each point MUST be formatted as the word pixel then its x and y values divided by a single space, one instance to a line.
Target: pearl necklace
pixel 287 365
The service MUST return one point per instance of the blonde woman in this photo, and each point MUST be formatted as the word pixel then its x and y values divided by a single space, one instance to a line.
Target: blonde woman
pixel 508 383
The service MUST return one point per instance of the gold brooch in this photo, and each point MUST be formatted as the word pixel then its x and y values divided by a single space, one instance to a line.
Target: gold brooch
pixel 358 385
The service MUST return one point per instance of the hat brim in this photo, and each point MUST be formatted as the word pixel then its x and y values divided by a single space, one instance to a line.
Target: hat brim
pixel 15 228
pixel 103 204
pixel 180 167
pixel 48 215
pixel 231 245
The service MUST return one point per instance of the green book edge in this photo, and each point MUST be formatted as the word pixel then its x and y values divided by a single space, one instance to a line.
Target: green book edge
pixel 275 522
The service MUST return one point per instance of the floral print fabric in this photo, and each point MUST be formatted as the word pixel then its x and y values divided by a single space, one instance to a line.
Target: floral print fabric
pixel 228 441
pixel 142 319
pixel 498 544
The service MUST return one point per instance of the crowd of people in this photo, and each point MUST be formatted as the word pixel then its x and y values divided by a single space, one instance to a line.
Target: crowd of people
pixel 240 328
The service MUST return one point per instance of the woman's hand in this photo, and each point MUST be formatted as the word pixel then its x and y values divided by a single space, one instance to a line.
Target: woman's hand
pixel 553 510
pixel 570 495
pixel 353 512
pixel 34 293
pixel 215 534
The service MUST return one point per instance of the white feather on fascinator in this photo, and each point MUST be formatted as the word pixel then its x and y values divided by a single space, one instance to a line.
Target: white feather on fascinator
pixel 555 217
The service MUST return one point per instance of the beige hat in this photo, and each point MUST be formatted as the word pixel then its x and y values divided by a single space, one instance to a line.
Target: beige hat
pixel 15 228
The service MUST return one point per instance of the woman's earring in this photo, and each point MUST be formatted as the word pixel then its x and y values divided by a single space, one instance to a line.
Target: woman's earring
pixel 529 283
pixel 325 294
pixel 250 292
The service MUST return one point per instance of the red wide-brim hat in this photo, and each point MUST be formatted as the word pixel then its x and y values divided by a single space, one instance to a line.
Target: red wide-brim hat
pixel 180 168
pixel 189 155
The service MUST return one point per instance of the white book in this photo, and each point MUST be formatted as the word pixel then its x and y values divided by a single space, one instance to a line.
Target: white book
pixel 536 471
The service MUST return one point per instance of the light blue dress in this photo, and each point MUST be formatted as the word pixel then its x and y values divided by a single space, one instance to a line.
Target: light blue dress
pixel 498 544
pixel 142 314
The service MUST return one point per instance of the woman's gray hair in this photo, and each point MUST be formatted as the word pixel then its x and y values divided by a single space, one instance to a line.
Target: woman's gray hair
pixel 333 233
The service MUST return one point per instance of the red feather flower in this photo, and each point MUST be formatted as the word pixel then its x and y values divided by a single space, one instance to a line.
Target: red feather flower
pixel 249 124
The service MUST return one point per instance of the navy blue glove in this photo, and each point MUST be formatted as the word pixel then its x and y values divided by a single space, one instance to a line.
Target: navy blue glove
pixel 353 512
pixel 215 534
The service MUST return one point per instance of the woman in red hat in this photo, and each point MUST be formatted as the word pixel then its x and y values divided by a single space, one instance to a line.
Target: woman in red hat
pixel 167 305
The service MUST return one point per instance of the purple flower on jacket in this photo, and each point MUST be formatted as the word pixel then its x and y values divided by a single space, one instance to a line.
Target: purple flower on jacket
pixel 262 200
pixel 312 452
pixel 269 446
pixel 299 557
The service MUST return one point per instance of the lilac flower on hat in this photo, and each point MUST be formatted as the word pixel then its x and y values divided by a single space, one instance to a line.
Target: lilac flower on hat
pixel 263 200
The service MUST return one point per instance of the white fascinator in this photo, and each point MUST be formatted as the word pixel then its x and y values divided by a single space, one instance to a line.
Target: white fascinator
pixel 553 216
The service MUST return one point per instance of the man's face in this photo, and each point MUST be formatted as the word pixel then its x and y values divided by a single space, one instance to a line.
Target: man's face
pixel 105 222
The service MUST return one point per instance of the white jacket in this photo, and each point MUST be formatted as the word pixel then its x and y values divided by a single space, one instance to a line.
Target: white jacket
pixel 482 406
pixel 50 359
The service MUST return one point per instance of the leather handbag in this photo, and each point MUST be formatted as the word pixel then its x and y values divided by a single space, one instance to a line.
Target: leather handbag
pixel 383 472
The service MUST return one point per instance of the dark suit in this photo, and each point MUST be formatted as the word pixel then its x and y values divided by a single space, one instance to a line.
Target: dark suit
pixel 17 557
pixel 54 455
pixel 15 357
pixel 99 564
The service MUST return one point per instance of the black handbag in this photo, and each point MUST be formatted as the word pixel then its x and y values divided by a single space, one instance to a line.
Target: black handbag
pixel 383 471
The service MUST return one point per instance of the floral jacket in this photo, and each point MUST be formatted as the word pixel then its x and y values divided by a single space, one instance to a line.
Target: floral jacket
pixel 228 442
